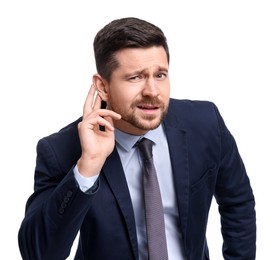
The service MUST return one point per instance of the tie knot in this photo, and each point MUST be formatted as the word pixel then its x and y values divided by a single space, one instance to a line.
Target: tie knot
pixel 146 148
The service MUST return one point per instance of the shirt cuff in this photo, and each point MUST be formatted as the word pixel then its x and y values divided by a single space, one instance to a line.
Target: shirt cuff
pixel 85 183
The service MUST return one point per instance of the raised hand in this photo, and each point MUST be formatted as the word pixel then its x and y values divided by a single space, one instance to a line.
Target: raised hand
pixel 96 144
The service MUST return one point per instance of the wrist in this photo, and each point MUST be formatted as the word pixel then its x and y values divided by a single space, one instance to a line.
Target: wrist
pixel 89 167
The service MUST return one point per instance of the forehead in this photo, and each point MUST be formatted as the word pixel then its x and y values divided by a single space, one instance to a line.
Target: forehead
pixel 141 58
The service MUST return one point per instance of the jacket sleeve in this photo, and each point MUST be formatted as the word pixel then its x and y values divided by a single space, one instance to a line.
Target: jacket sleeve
pixel 54 212
pixel 236 201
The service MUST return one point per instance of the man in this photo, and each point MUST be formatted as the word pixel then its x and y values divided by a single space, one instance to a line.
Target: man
pixel 88 176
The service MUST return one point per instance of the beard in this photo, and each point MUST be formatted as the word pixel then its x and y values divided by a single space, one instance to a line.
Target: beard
pixel 143 122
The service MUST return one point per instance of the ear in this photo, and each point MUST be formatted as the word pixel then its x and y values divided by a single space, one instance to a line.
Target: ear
pixel 101 86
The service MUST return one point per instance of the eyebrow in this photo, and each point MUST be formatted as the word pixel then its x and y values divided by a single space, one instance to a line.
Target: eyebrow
pixel 160 68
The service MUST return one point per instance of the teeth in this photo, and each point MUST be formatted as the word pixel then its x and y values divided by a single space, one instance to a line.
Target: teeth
pixel 147 107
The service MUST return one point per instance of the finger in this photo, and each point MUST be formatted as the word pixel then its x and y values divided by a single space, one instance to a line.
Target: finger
pixel 106 113
pixel 93 123
pixel 97 102
pixel 89 101
pixel 110 121
pixel 106 124
pixel 104 118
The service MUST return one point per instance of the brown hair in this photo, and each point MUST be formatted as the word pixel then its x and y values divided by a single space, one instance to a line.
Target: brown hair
pixel 123 33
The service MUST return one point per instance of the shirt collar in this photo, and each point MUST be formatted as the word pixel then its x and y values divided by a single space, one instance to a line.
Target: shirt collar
pixel 127 141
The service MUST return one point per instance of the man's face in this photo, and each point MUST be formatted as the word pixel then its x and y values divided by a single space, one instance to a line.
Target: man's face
pixel 139 89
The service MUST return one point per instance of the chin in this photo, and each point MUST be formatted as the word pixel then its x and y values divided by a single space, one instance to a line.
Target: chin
pixel 142 123
pixel 148 125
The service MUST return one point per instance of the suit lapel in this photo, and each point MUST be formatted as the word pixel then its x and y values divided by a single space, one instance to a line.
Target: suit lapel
pixel 178 148
pixel 114 174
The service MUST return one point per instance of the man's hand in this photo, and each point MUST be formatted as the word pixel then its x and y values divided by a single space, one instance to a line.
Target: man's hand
pixel 96 145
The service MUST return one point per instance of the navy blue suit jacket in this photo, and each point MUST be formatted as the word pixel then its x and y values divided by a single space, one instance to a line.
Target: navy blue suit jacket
pixel 205 163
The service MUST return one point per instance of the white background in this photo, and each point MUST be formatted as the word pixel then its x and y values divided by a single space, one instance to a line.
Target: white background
pixel 223 51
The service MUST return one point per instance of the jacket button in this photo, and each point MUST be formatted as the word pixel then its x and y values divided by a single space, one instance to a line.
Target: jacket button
pixel 60 210
pixel 63 205
pixel 69 194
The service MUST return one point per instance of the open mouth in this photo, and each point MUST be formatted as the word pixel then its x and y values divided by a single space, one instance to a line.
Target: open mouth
pixel 148 107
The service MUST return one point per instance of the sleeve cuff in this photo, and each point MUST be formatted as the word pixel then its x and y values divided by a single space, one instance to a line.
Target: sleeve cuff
pixel 85 183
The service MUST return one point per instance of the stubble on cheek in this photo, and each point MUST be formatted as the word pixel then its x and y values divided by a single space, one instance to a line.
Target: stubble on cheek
pixel 143 122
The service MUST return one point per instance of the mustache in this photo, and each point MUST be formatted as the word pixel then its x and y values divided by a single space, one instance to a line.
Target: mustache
pixel 155 101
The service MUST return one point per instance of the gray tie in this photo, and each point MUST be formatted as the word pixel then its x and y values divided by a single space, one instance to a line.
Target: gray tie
pixel 153 204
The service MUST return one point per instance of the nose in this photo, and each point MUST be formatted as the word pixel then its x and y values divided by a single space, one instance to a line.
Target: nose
pixel 151 88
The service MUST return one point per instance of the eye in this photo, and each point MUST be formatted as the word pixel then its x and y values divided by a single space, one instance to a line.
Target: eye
pixel 135 78
pixel 161 76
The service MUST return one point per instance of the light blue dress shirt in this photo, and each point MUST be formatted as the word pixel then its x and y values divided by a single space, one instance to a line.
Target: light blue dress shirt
pixel 131 162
